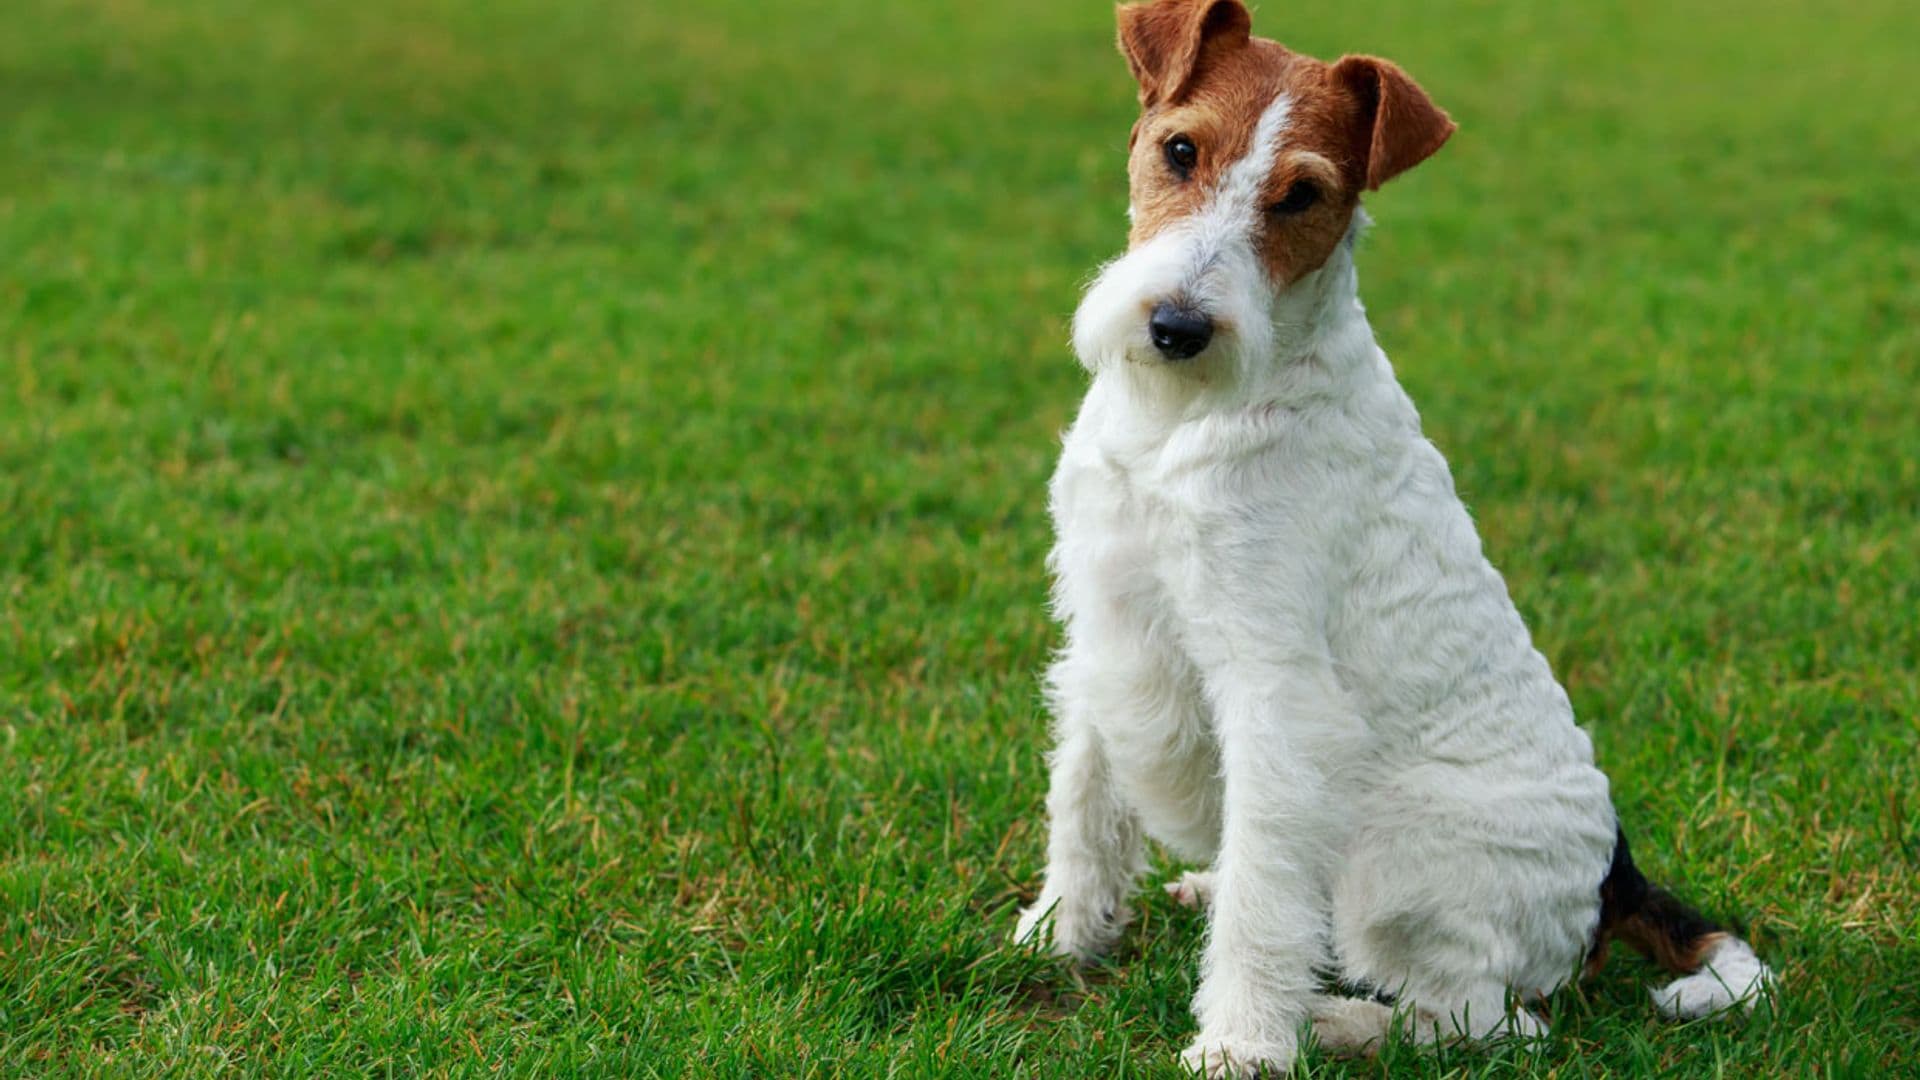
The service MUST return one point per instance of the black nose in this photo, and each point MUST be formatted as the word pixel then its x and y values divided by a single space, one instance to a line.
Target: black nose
pixel 1178 332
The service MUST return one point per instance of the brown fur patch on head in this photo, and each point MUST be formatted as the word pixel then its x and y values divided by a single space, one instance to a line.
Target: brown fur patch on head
pixel 1350 126
pixel 1404 127
pixel 1165 43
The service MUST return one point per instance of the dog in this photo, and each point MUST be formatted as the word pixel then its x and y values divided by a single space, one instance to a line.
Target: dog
pixel 1286 656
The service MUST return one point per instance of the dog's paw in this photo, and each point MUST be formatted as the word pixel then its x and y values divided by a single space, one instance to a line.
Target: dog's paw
pixel 1350 1027
pixel 1193 890
pixel 1069 929
pixel 1228 1058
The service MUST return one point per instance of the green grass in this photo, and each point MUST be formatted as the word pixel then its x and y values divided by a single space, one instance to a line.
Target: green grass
pixel 521 525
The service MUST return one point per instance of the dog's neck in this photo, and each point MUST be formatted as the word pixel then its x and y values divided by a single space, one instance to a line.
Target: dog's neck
pixel 1318 347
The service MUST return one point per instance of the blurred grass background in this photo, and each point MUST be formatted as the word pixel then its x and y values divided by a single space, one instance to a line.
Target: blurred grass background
pixel 521 524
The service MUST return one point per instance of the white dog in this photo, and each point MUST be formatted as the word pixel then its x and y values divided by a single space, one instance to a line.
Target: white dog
pixel 1286 655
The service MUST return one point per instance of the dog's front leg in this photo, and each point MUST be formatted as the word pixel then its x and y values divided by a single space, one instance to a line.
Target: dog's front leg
pixel 1276 724
pixel 1093 851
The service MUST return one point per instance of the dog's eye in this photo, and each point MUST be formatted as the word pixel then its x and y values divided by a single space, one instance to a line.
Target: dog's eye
pixel 1301 195
pixel 1181 155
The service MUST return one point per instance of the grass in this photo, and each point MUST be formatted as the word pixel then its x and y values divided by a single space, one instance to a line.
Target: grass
pixel 522 526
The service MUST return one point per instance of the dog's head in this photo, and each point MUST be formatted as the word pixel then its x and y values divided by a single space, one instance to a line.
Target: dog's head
pixel 1246 169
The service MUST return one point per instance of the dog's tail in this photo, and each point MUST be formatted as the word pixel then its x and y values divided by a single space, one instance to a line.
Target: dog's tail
pixel 1719 971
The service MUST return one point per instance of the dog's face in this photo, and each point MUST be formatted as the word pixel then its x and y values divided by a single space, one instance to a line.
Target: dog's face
pixel 1246 170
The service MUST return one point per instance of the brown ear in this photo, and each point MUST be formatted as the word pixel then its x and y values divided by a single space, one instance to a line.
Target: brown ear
pixel 1165 41
pixel 1400 126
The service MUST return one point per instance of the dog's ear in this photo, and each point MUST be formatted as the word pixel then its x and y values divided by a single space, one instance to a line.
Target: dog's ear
pixel 1165 42
pixel 1399 126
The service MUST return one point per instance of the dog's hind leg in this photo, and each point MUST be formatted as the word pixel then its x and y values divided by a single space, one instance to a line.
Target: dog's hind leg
pixel 1356 1027
pixel 1479 1013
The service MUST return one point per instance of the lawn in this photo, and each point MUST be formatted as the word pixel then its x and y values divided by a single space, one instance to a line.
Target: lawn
pixel 522 526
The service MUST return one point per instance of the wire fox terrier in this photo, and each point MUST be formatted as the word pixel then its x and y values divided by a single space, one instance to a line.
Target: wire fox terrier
pixel 1286 656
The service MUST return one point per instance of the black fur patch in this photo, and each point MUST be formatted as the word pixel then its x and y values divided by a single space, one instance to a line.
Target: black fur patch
pixel 1649 918
pixel 1625 889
